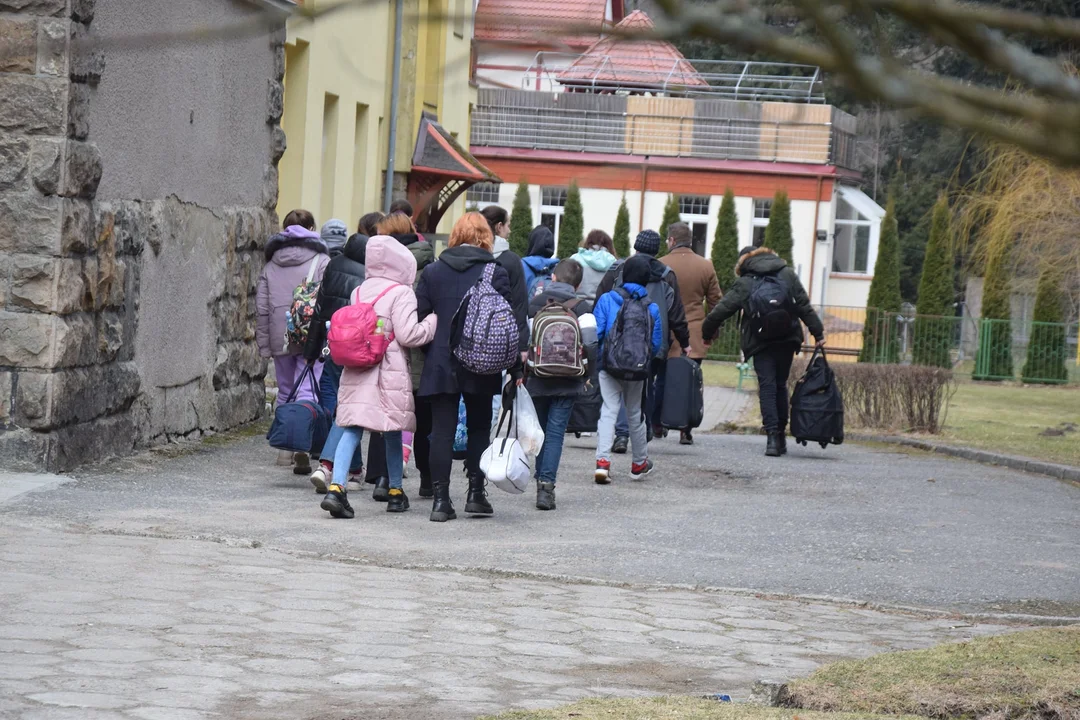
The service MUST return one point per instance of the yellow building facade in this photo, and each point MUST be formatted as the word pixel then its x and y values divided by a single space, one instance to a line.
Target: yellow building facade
pixel 338 92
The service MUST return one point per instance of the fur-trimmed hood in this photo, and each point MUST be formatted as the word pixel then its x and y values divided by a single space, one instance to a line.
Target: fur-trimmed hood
pixel 295 236
pixel 760 261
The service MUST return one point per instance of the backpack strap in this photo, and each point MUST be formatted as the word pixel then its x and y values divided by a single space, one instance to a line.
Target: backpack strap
pixel 383 293
pixel 311 270
pixel 489 272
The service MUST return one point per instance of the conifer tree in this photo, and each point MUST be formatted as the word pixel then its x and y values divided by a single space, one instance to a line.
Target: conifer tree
pixel 1047 350
pixel 934 322
pixel 778 236
pixel 725 249
pixel 671 216
pixel 621 238
pixel 572 224
pixel 993 360
pixel 880 342
pixel 521 219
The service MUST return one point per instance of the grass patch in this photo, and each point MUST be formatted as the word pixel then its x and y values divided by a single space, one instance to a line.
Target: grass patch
pixel 1011 418
pixel 1025 675
pixel 670 708
pixel 725 374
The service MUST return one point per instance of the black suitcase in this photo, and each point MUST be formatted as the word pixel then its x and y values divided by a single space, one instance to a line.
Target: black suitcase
pixel 585 417
pixel 817 408
pixel 684 395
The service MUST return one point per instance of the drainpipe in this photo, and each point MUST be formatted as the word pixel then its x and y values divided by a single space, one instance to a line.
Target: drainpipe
pixel 813 248
pixel 395 87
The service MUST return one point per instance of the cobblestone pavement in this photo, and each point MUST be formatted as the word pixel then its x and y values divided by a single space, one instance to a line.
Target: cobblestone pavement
pixel 98 626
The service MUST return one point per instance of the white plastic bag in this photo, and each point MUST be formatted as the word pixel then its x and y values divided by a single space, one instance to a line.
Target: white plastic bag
pixel 527 423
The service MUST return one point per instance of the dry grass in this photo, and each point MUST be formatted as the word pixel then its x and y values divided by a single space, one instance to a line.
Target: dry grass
pixel 1026 675
pixel 671 708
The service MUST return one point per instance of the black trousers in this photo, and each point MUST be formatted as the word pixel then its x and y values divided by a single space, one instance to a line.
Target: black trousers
pixel 444 414
pixel 773 365
pixel 421 438
pixel 376 458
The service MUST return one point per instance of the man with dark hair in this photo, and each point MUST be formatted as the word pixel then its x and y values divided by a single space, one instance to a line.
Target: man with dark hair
pixel 698 286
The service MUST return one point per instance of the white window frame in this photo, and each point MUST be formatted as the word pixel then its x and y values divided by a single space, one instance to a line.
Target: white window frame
pixel 760 222
pixel 695 219
pixel 481 204
pixel 863 221
pixel 556 210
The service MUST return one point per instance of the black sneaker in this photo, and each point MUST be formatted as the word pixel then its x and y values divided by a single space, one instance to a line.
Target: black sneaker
pixel 638 471
pixel 398 502
pixel 337 504
pixel 620 445
pixel 545 496
pixel 686 438
pixel 381 493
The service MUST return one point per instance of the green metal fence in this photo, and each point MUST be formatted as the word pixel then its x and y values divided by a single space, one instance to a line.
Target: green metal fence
pixel 985 349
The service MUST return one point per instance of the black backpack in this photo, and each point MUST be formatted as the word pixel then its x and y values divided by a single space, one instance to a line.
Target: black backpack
pixel 770 310
pixel 817 408
pixel 628 346
pixel 661 293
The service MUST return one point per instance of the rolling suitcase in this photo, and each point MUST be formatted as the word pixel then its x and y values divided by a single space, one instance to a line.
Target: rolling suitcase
pixel 684 395
pixel 817 408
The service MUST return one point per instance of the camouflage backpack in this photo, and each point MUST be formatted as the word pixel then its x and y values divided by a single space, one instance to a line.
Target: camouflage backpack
pixel 298 317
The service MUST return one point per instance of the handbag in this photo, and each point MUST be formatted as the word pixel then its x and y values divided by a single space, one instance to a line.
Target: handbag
pixel 505 463
pixel 300 426
pixel 817 407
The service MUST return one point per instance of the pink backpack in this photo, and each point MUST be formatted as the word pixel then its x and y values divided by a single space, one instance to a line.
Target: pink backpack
pixel 353 339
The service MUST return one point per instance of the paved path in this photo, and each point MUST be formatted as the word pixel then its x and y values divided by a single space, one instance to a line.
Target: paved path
pixel 205 582
pixel 97 626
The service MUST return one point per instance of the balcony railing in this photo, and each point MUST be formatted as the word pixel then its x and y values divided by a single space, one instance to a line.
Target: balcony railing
pixel 676 127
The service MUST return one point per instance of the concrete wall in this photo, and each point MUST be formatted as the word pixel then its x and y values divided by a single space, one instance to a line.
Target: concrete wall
pixel 129 266
pixel 187 119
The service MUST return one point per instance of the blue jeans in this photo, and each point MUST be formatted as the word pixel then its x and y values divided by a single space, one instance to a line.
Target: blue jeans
pixel 554 414
pixel 395 460
pixel 348 446
pixel 328 386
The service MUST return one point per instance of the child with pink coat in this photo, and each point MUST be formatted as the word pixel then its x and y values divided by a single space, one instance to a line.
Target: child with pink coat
pixel 380 399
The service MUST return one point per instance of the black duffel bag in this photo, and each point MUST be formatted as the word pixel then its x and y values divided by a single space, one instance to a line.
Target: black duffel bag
pixel 817 409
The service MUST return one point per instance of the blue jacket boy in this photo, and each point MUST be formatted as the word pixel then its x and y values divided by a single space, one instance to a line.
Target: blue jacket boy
pixel 635 270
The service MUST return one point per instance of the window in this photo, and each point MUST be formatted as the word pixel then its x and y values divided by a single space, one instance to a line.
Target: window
pixel 851 241
pixel 694 211
pixel 483 194
pixel 762 211
pixel 552 202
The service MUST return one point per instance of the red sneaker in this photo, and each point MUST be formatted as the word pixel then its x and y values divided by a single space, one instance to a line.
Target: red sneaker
pixel 640 470
pixel 602 476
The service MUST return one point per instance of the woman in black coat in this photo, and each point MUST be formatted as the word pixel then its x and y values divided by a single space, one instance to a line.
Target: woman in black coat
pixel 443 382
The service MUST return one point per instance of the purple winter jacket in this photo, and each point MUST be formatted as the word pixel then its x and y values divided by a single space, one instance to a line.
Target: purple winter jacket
pixel 289 255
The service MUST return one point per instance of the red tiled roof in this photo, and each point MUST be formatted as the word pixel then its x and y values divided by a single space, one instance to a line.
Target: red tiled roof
pixel 541 22
pixel 637 63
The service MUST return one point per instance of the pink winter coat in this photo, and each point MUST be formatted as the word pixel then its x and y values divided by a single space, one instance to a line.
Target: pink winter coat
pixel 380 398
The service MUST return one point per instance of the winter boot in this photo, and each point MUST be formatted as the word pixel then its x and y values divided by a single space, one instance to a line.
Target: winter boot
pixel 381 493
pixel 476 503
pixel 545 496
pixel 442 509
pixel 781 440
pixel 425 487
pixel 772 447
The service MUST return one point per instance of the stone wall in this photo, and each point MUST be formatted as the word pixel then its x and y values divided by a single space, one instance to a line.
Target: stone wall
pixel 127 321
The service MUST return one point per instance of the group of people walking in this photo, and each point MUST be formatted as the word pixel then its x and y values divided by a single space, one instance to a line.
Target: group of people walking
pixel 456 330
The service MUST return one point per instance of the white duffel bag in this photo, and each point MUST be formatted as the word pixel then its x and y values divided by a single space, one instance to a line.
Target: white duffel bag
pixel 505 463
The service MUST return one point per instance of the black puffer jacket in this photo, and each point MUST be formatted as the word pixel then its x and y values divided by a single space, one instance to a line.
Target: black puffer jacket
pixel 752 265
pixel 343 274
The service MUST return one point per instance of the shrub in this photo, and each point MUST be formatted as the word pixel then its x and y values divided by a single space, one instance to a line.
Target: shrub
pixel 913 398
pixel 932 339
pixel 880 342
pixel 521 219
pixel 621 238
pixel 778 236
pixel 572 224
pixel 1046 351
